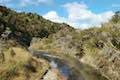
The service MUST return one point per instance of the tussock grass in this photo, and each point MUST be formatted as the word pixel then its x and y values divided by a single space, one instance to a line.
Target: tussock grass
pixel 20 65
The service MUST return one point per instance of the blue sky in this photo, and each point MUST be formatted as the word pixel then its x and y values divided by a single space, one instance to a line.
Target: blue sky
pixel 77 13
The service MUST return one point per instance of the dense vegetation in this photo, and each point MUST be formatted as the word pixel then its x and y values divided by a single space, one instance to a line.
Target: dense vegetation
pixel 27 25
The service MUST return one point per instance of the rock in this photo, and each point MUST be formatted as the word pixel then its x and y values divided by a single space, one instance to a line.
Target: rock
pixel 54 74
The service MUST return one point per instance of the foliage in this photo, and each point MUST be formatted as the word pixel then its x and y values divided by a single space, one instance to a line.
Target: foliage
pixel 27 25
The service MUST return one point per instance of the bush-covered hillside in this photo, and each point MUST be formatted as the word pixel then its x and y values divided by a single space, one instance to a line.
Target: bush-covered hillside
pixel 24 26
pixel 16 32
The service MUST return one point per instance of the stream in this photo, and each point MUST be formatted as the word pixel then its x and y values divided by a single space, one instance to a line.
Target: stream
pixel 69 67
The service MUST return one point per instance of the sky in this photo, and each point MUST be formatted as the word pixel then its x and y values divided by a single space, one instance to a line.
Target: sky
pixel 77 13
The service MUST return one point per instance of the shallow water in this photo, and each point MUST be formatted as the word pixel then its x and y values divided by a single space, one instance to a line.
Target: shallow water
pixel 70 67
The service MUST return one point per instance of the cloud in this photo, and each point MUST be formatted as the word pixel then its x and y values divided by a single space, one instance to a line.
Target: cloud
pixel 52 15
pixel 36 3
pixel 80 16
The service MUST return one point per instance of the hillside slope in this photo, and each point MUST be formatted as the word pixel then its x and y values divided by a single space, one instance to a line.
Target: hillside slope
pixel 16 32
pixel 97 47
pixel 24 26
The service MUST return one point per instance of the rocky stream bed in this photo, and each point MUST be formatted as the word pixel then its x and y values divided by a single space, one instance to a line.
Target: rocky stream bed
pixel 67 68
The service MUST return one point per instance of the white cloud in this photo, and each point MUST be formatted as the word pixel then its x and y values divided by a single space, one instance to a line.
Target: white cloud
pixel 75 11
pixel 53 16
pixel 80 16
pixel 36 3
